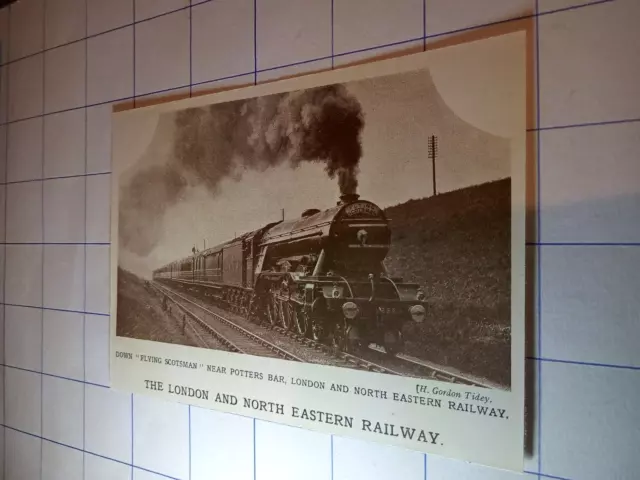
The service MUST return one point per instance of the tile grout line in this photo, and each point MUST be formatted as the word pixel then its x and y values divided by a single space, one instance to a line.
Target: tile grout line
pixel 255 42
pixel 424 465
pixel 282 67
pixel 42 283
pixel 64 177
pixel 583 244
pixel 133 23
pixel 332 35
pixel 55 376
pixel 134 61
pixel 54 243
pixel 331 457
pixel 132 464
pixel 539 235
pixel 424 27
pixel 255 79
pixel 4 265
pixel 583 363
pixel 84 299
pixel 190 48
pixel 279 67
pixel 545 475
pixel 95 454
pixel 586 124
pixel 57 309
pixel 94 35
pixel 115 460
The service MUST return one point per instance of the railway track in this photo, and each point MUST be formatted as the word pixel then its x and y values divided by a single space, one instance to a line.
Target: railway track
pixel 345 359
pixel 195 323
pixel 432 370
pixel 425 368
pixel 438 372
pixel 187 318
pixel 234 337
pixel 348 358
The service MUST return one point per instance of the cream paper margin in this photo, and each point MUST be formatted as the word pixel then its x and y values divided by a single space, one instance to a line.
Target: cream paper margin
pixel 476 84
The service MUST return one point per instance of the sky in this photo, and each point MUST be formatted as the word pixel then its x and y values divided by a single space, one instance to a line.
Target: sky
pixel 400 113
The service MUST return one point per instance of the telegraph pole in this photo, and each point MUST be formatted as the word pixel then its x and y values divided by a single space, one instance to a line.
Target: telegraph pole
pixel 433 153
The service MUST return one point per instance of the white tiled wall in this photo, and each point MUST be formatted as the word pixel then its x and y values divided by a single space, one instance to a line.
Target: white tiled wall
pixel 65 61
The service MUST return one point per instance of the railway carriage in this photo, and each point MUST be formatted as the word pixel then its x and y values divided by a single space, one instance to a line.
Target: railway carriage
pixel 321 275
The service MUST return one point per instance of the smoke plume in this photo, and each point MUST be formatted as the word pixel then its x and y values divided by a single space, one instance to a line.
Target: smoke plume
pixel 320 125
pixel 317 125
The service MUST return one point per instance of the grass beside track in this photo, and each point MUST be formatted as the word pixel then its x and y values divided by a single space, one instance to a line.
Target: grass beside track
pixel 457 245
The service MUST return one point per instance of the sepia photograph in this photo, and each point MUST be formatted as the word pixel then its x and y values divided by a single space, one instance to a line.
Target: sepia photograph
pixel 360 225
pixel 340 251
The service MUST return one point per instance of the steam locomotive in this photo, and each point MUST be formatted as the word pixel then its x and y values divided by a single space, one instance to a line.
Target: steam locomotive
pixel 321 275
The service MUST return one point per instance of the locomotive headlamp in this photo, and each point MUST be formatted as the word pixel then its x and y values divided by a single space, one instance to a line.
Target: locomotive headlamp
pixel 350 310
pixel 420 296
pixel 418 313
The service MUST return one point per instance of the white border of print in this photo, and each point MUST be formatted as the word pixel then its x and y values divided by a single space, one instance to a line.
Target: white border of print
pixel 487 440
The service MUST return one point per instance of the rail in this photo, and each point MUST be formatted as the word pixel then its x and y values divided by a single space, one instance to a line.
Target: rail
pixel 356 361
pixel 217 335
pixel 280 352
pixel 438 372
pixel 442 373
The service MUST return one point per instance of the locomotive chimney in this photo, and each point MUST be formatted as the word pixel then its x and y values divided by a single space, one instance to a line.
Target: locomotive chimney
pixel 348 198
